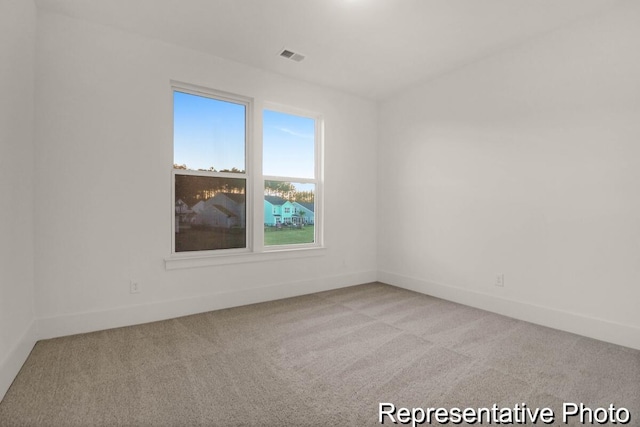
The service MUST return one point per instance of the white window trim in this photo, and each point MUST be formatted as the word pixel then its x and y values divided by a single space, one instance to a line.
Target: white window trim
pixel 248 102
pixel 318 172
pixel 202 259
pixel 255 250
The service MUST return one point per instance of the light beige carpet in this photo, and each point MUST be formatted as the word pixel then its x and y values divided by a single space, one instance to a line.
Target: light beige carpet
pixel 323 359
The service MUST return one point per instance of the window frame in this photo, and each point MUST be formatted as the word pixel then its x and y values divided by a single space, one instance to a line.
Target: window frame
pixel 255 250
pixel 317 180
pixel 246 175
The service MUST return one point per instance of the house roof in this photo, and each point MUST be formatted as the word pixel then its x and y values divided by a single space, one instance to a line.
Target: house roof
pixel 224 210
pixel 308 206
pixel 236 197
pixel 275 200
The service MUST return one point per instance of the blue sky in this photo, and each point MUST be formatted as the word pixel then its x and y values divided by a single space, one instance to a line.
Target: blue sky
pixel 207 132
pixel 211 133
pixel 288 145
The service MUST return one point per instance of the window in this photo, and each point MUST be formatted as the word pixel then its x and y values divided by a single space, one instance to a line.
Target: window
pixel 210 177
pixel 290 147
pixel 219 201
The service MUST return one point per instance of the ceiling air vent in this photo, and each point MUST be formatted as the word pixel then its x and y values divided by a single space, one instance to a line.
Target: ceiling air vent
pixel 289 54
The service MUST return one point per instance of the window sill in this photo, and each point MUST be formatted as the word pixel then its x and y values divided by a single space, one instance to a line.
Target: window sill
pixel 179 261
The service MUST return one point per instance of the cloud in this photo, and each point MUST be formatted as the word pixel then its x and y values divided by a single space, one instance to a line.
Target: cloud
pixel 294 133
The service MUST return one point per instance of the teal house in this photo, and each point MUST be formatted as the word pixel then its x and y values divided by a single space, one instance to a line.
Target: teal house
pixel 304 211
pixel 278 211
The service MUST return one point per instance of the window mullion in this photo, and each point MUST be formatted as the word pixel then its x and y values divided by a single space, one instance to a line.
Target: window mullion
pixel 212 170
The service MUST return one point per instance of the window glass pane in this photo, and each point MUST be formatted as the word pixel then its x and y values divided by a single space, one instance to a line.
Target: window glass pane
pixel 289 213
pixel 210 213
pixel 288 145
pixel 208 134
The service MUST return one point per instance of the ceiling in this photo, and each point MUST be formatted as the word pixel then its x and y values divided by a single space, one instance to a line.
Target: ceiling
pixel 372 48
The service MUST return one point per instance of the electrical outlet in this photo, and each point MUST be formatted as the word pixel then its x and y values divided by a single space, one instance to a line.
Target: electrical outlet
pixel 134 287
pixel 500 280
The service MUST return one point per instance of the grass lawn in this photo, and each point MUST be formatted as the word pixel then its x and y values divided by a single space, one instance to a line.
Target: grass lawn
pixel 194 239
pixel 288 236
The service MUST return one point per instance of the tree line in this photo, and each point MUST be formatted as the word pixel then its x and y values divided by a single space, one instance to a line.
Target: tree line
pixel 193 188
pixel 287 191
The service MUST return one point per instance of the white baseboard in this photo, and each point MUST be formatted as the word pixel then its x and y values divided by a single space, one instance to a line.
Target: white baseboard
pixel 143 313
pixel 10 366
pixel 592 327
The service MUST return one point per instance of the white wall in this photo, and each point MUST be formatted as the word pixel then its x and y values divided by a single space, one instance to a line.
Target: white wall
pixel 526 163
pixel 103 184
pixel 17 58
